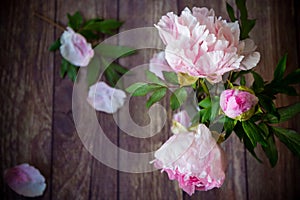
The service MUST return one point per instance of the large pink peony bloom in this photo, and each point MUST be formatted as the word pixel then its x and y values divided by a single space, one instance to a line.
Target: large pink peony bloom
pixel 25 180
pixel 105 98
pixel 201 45
pixel 75 49
pixel 195 160
pixel 238 104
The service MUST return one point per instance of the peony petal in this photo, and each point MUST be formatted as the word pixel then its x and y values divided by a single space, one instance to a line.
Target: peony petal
pixel 183 118
pixel 25 180
pixel 250 61
pixel 158 64
pixel 105 98
pixel 174 148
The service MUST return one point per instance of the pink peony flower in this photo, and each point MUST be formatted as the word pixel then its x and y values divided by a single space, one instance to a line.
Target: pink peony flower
pixel 75 49
pixel 105 98
pixel 195 160
pixel 238 104
pixel 158 64
pixel 25 180
pixel 201 45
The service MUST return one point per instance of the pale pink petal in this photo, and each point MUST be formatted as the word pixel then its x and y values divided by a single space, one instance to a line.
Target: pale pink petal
pixel 174 148
pixel 105 98
pixel 183 118
pixel 250 60
pixel 25 180
pixel 158 64
pixel 251 57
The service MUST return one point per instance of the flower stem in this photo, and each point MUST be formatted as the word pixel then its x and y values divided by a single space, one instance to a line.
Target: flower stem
pixel 46 19
pixel 204 86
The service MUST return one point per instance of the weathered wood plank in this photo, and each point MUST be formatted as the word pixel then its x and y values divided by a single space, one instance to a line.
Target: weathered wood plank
pixel 152 185
pixel 26 89
pixel 71 161
pixel 104 179
pixel 275 35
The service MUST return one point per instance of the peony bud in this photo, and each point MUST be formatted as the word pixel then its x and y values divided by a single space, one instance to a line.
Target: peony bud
pixel 238 103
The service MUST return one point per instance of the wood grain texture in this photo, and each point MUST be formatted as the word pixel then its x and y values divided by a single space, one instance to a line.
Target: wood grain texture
pixel 71 161
pixel 104 180
pixel 277 20
pixel 26 89
pixel 138 186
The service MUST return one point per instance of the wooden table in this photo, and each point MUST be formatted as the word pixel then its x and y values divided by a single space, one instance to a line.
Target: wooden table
pixel 36 116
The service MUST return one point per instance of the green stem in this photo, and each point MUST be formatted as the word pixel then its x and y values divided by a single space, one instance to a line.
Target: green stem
pixel 204 86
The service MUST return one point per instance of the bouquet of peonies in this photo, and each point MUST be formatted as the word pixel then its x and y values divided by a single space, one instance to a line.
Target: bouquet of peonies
pixel 213 60
pixel 206 58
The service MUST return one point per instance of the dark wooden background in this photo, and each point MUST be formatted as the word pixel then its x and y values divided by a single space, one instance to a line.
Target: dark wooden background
pixel 36 116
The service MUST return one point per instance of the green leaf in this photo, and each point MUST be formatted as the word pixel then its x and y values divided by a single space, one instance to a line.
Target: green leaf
pixel 230 12
pixel 264 128
pixel 229 125
pixel 111 76
pixel 290 138
pixel 247 26
pixel 205 103
pixel 118 68
pixel 153 78
pixel 112 51
pixel 292 78
pixel 55 45
pixel 271 150
pixel 109 25
pixel 72 72
pixel 93 71
pixel 258 83
pixel 250 147
pixel 280 69
pixel 215 107
pixel 241 5
pixel 284 89
pixel 113 73
pixel 268 105
pixel 178 98
pixel 63 68
pixel 239 131
pixel 75 21
pixel 242 81
pixel 89 35
pixel 135 86
pixel 105 26
pixel 254 133
pixel 145 89
pixel 91 21
pixel 171 77
pixel 156 96
pixel 205 114
pixel 285 113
